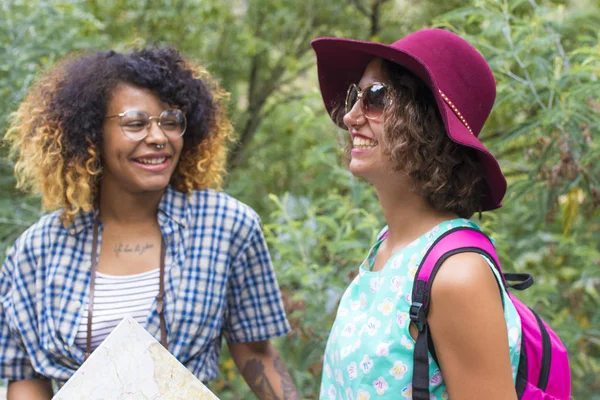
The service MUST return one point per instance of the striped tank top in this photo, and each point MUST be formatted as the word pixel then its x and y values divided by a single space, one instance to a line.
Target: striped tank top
pixel 115 297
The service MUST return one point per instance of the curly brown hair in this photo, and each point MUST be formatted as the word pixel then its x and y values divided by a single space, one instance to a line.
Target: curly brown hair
pixel 57 130
pixel 448 175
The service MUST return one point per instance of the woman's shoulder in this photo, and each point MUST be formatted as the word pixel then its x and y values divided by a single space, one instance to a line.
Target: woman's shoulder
pixel 222 205
pixel 218 201
pixel 37 236
pixel 458 223
pixel 50 223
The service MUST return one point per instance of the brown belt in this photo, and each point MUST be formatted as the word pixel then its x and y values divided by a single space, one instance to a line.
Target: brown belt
pixel 160 303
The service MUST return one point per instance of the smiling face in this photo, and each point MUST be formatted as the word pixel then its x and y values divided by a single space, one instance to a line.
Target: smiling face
pixel 367 156
pixel 137 166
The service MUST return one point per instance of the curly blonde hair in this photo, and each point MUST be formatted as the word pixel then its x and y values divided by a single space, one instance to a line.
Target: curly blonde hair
pixel 56 133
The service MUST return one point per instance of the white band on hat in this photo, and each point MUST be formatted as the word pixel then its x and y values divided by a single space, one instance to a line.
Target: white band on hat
pixel 458 114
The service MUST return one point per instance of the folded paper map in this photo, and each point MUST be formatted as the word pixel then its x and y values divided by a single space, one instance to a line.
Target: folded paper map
pixel 130 364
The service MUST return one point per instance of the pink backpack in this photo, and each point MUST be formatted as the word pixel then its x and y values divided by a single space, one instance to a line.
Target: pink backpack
pixel 543 372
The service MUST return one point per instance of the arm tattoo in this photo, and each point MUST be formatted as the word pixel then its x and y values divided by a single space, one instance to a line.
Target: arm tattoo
pixel 254 372
pixel 290 392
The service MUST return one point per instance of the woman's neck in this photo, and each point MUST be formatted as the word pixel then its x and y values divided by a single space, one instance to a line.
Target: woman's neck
pixel 127 208
pixel 407 214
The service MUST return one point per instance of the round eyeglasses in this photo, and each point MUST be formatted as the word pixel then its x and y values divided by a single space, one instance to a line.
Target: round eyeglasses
pixel 135 124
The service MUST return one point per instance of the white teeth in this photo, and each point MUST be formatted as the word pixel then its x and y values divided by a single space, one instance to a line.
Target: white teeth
pixel 152 161
pixel 363 142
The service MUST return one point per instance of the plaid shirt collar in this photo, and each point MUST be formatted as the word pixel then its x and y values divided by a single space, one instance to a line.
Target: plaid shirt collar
pixel 173 204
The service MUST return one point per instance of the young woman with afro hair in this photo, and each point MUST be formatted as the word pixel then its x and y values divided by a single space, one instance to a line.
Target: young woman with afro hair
pixel 129 151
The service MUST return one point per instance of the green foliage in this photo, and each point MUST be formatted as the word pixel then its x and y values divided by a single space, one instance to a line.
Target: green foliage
pixel 318 219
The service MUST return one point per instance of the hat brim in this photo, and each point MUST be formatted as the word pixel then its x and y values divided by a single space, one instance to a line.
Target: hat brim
pixel 341 62
pixel 459 133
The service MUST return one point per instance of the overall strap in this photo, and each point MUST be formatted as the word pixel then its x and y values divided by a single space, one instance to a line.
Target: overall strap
pixel 160 298
pixel 454 241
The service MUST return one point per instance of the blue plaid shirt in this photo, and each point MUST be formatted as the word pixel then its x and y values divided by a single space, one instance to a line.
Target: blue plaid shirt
pixel 219 282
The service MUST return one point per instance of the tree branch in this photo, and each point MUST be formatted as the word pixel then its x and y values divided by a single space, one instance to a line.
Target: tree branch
pixel 375 16
pixel 256 102
pixel 360 7
pixel 260 91
pixel 286 100
pixel 508 35
pixel 517 78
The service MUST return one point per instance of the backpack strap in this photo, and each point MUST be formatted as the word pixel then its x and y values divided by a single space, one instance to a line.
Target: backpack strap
pixel 454 241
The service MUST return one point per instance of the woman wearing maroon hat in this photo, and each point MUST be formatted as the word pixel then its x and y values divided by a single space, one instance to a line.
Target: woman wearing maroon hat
pixel 413 111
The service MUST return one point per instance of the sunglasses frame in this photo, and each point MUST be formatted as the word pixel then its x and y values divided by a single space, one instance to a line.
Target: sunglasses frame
pixel 147 127
pixel 360 93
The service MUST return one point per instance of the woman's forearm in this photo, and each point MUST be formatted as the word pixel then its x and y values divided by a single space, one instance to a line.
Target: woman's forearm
pixel 30 389
pixel 264 371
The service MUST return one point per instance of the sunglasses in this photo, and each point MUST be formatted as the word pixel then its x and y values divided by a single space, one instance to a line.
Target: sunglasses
pixel 372 99
pixel 135 124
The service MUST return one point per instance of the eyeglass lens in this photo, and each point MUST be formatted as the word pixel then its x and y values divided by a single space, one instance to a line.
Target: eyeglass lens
pixel 134 123
pixel 373 99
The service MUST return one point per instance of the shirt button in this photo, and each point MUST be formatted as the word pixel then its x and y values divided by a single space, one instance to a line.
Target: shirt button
pixel 75 306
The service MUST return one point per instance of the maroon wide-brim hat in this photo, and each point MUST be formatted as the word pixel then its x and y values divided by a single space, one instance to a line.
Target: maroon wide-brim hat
pixel 459 77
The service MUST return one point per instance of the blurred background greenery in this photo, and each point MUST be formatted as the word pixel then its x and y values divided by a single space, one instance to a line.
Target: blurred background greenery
pixel 318 219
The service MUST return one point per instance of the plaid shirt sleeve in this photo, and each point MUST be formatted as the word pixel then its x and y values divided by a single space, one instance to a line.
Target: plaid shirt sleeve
pixel 255 308
pixel 15 278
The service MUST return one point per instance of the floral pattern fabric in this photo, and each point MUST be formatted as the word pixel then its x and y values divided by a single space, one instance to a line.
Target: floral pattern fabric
pixel 369 353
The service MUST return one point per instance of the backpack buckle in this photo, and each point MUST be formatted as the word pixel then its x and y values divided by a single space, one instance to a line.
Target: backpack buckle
pixel 417 314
